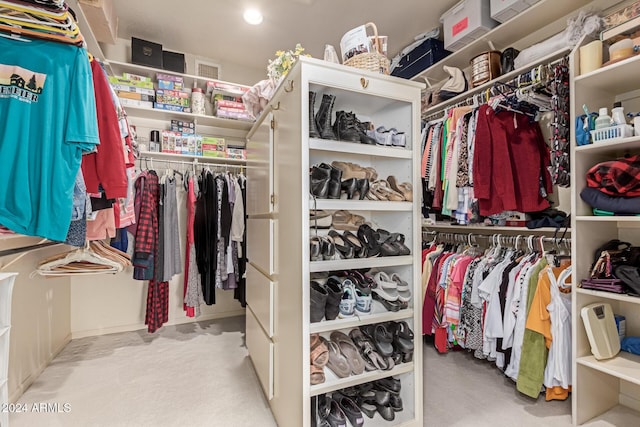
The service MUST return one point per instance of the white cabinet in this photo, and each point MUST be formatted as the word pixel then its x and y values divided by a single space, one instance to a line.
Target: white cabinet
pixel 607 390
pixel 280 155
pixel 6 290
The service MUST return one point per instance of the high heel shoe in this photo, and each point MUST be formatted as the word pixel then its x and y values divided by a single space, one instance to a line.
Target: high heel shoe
pixel 350 186
pixel 363 188
pixel 360 250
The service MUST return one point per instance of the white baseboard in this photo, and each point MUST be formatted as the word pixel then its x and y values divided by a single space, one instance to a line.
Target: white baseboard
pixel 137 327
pixel 15 395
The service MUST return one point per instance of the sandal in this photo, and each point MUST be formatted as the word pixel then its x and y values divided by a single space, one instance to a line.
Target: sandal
pixel 403 340
pixel 390 305
pixel 406 189
pixel 316 375
pixel 345 220
pixel 373 361
pixel 319 354
pixel 319 219
pixel 369 239
pixel 381 338
pixel 350 351
pixel 350 170
pixel 404 290
pixel 337 362
pixel 385 287
pixel 397 241
pixel 380 190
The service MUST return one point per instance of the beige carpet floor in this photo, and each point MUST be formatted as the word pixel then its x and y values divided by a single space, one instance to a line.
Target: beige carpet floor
pixel 200 375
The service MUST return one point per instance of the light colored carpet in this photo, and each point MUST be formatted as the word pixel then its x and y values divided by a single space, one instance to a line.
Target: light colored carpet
pixel 200 375
pixel 460 390
pixel 196 374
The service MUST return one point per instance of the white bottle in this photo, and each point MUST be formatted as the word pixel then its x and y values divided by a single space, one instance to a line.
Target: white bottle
pixel 603 120
pixel 617 114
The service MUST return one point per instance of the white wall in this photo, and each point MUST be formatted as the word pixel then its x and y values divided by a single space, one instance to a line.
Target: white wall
pixel 40 317
pixel 121 51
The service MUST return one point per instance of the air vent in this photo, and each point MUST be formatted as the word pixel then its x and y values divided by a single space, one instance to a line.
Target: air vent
pixel 208 70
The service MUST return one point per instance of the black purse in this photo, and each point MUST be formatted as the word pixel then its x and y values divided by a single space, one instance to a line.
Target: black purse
pixel 507 58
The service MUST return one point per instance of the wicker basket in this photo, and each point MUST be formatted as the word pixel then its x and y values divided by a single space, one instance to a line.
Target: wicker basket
pixel 372 61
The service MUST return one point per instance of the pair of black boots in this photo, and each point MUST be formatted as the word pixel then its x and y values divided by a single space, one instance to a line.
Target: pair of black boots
pixel 346 127
pixel 326 183
pixel 325 300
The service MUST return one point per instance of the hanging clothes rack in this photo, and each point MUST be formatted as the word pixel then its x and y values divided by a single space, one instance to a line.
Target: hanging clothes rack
pixel 514 80
pixel 193 163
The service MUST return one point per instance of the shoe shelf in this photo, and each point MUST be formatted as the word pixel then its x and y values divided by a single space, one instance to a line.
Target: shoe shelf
pixel 357 148
pixel 358 263
pixel 333 383
pixel 378 315
pixel 625 366
pixel 360 205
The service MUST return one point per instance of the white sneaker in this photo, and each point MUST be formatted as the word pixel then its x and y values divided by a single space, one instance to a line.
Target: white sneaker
pixel 348 302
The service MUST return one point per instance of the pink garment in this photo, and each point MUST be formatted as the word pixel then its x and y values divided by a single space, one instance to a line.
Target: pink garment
pixel 103 226
pixel 191 215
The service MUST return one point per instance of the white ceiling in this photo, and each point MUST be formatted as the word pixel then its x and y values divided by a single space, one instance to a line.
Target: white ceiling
pixel 215 28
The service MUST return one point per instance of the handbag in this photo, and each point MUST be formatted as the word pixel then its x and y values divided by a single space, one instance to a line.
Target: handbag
pixel 507 59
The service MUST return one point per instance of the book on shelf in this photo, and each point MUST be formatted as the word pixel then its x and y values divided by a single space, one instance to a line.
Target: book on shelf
pixel 133 89
pixel 135 96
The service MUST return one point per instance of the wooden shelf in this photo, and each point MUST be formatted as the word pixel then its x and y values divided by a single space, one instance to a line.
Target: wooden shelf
pixel 356 263
pixel 609 295
pixel 157 114
pixel 625 144
pixel 504 35
pixel 333 383
pixel 617 416
pixel 379 314
pixel 360 205
pixel 357 148
pixel 186 157
pixel 119 67
pixel 616 78
pixel 625 366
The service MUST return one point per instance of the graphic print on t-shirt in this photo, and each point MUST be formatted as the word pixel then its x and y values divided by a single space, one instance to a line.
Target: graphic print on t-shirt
pixel 20 83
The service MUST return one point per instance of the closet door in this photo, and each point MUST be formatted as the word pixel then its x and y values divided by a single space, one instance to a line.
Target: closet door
pixel 260 161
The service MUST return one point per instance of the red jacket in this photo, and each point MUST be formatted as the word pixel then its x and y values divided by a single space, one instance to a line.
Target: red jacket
pixel 510 163
pixel 106 166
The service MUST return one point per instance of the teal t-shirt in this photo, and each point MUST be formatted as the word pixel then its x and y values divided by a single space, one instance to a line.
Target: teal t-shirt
pixel 47 119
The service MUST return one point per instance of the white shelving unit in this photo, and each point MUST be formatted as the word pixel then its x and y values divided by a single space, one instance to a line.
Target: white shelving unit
pixel 6 290
pixel 279 156
pixel 603 390
pixel 147 119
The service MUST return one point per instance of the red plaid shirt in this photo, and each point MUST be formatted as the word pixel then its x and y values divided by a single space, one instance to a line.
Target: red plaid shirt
pixel 619 177
pixel 147 230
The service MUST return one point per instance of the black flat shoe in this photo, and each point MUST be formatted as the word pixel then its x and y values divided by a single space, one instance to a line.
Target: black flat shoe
pixel 344 248
pixel 390 384
pixel 386 412
pixel 360 250
pixel 396 403
pixel 336 417
pixel 351 411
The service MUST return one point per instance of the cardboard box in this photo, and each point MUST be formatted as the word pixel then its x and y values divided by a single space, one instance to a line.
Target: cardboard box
pixel 136 77
pixel 236 153
pixel 126 88
pixel 226 88
pixel 173 61
pixel 170 85
pixel 136 96
pixel 134 83
pixel 173 97
pixel 102 18
pixel 135 103
pixel 171 107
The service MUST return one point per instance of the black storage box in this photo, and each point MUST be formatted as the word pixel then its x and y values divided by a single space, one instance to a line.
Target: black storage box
pixel 420 58
pixel 173 61
pixel 147 53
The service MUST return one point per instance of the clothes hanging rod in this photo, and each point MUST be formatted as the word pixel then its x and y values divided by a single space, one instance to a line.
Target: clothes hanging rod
pixel 22 249
pixel 480 90
pixel 191 163
pixel 555 239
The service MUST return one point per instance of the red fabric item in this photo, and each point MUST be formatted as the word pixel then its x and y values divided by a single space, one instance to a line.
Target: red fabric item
pixel 147 225
pixel 429 305
pixel 106 167
pixel 157 305
pixel 510 160
pixel 441 339
pixel 619 177
pixel 191 216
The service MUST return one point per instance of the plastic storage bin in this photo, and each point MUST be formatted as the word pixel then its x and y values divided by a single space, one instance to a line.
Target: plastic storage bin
pixel 420 58
pixel 465 22
pixel 503 10
pixel 611 133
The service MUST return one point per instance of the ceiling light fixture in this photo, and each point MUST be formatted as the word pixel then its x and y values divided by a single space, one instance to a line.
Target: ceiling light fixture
pixel 253 16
